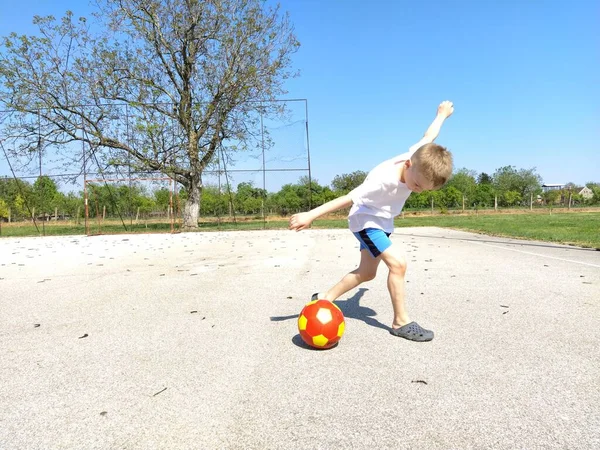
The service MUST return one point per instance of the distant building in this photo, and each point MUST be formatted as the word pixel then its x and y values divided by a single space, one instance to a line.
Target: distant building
pixel 551 187
pixel 586 193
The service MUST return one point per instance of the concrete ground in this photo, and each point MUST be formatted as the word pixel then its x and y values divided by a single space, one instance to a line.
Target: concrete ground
pixel 190 341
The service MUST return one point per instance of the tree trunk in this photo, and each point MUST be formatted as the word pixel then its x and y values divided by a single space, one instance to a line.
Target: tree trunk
pixel 191 209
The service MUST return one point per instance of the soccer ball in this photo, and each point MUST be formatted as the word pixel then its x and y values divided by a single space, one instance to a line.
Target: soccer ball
pixel 321 324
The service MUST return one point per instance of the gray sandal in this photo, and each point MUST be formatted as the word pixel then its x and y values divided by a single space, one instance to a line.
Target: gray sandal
pixel 413 332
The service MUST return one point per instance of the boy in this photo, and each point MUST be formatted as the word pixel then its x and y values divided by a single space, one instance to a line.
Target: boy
pixel 375 203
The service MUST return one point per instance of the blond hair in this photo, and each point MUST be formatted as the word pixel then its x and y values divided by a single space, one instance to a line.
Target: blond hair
pixel 434 162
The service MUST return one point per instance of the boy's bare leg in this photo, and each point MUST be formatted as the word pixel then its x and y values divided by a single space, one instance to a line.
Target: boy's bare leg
pixel 366 271
pixel 397 266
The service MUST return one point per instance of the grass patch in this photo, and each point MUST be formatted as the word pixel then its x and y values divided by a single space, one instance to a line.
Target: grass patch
pixel 71 228
pixel 28 229
pixel 581 229
pixel 574 228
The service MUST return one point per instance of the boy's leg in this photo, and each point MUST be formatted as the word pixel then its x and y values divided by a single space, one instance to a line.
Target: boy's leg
pixel 366 271
pixel 402 325
pixel 396 264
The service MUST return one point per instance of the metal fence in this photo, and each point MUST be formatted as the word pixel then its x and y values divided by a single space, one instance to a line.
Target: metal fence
pixel 43 182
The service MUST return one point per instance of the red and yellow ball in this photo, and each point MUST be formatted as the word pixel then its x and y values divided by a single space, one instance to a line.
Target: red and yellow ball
pixel 321 324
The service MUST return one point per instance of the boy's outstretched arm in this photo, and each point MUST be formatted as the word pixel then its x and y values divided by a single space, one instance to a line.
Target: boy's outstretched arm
pixel 303 220
pixel 444 111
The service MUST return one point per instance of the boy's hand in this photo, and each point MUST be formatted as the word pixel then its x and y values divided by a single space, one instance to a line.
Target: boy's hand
pixel 300 221
pixel 445 109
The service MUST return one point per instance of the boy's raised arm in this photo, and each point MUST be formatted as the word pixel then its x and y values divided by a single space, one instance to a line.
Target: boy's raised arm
pixel 445 110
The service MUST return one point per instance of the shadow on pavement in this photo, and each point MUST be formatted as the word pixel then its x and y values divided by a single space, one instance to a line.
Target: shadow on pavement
pixel 297 341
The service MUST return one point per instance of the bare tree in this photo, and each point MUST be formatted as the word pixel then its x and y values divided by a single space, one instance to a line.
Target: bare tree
pixel 190 73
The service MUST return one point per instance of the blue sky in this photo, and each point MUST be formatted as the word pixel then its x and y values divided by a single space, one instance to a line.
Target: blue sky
pixel 523 75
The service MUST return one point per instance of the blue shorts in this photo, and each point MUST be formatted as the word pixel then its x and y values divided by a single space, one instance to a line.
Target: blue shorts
pixel 376 241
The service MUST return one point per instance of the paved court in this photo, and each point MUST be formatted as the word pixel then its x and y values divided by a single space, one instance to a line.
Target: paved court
pixel 189 341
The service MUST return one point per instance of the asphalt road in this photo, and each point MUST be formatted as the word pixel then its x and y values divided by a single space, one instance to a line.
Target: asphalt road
pixel 190 341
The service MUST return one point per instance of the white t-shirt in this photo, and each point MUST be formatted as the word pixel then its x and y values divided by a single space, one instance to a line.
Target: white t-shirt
pixel 380 197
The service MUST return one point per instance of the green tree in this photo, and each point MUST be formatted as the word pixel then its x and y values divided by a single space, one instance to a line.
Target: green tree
pixel 551 197
pixel 288 200
pixel 484 178
pixel 312 196
pixel 20 206
pixel 162 198
pixel 45 195
pixel 3 209
pixel 511 198
pixel 452 197
pixel 595 188
pixel 71 203
pixel 525 181
pixel 531 183
pixel 192 74
pixel 464 182
pixel 145 204
pixel 439 199
pixel 418 200
pixel 17 194
pixel 577 199
pixel 506 179
pixel 483 196
pixel 596 194
pixel 342 184
pixel 248 199
pixel 119 199
pixel 325 196
pixel 213 202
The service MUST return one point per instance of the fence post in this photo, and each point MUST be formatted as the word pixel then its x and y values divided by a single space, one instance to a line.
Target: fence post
pixel 531 201
pixel 41 173
pixel 264 169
